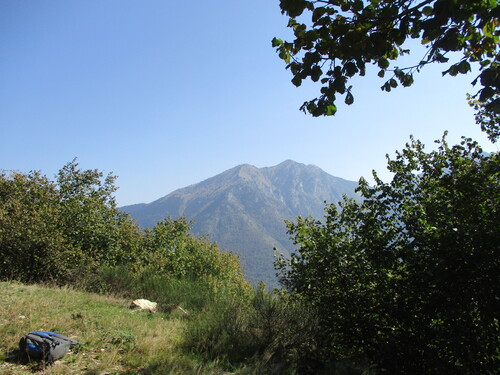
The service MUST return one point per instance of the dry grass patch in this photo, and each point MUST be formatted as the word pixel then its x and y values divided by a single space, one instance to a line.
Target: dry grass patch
pixel 114 340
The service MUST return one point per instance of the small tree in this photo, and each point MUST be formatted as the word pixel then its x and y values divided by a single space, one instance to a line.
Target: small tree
pixel 30 240
pixel 90 219
pixel 408 278
pixel 49 230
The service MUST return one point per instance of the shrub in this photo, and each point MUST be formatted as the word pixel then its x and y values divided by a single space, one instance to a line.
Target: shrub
pixel 268 332
pixel 408 278
pixel 169 249
pixel 30 238
pixel 59 230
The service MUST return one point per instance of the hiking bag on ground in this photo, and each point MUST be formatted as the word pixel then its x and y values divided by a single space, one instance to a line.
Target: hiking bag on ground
pixel 46 346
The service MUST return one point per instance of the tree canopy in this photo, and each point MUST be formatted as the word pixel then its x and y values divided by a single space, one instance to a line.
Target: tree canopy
pixel 61 226
pixel 62 230
pixel 344 36
pixel 408 277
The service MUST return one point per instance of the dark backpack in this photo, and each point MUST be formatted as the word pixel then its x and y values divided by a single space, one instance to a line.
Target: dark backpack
pixel 46 346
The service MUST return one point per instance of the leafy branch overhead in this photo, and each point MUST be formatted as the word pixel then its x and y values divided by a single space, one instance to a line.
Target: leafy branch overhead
pixel 344 36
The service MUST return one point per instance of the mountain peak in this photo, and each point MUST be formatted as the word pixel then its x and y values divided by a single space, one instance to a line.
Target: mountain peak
pixel 288 164
pixel 244 208
pixel 246 168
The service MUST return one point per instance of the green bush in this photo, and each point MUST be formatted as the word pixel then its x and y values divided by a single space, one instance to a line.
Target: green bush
pixel 170 249
pixel 222 332
pixel 408 278
pixel 268 332
pixel 65 231
pixel 57 231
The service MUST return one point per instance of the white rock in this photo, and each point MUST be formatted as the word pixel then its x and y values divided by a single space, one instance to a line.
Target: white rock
pixel 143 304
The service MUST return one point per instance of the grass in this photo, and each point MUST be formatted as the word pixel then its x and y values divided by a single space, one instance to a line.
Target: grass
pixel 223 333
pixel 114 339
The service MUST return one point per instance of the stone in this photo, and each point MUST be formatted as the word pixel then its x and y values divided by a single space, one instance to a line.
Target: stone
pixel 143 304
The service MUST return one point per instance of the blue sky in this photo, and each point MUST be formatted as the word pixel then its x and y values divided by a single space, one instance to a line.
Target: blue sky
pixel 165 94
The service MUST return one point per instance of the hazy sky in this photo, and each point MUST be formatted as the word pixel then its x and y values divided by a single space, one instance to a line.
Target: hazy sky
pixel 165 94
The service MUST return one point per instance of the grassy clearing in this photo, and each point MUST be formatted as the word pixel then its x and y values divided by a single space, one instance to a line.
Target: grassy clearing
pixel 114 340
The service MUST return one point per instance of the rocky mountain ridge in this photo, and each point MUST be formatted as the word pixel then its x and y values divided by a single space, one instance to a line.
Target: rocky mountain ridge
pixel 244 208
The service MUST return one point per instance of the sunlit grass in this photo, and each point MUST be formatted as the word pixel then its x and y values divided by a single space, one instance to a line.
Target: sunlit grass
pixel 114 339
pixel 222 333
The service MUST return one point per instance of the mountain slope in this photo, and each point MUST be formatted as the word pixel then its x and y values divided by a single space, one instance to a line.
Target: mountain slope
pixel 244 208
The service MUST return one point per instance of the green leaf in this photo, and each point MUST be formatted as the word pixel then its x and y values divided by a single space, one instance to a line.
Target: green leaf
pixel 316 73
pixel 339 84
pixel 296 80
pixel 464 67
pixel 349 99
pixel 277 42
pixel 485 63
pixel 427 10
pixel 318 12
pixel 486 93
pixel 452 71
pixel 440 58
pixel 330 110
pixel 406 79
pixel 491 3
pixel 311 36
pixel 284 56
pixel 350 68
pixel 383 63
pixel 488 77
pixel 294 8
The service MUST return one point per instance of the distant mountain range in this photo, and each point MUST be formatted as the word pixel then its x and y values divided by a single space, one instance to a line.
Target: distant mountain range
pixel 244 208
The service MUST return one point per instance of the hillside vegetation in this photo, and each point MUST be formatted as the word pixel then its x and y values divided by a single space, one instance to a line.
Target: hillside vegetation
pixel 69 232
pixel 404 281
pixel 214 332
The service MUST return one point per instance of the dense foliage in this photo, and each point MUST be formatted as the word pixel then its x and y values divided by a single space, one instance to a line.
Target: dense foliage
pixel 170 249
pixel 67 230
pixel 56 230
pixel 344 36
pixel 408 278
pixel 404 282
